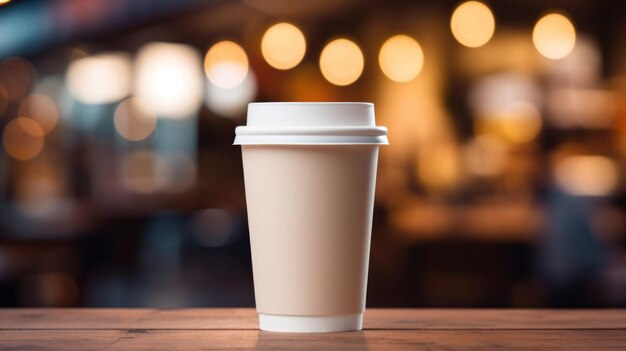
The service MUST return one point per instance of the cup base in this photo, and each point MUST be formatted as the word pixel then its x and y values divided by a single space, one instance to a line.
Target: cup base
pixel 310 324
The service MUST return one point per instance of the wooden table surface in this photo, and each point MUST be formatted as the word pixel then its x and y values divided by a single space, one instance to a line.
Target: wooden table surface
pixel 384 329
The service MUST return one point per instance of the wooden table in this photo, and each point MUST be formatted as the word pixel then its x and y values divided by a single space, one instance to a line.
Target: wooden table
pixel 385 329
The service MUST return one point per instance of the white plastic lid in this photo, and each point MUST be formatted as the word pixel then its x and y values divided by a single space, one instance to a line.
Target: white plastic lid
pixel 310 123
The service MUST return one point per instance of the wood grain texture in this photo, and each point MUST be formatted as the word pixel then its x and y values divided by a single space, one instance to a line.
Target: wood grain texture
pixel 385 329
pixel 246 318
pixel 129 318
pixel 366 340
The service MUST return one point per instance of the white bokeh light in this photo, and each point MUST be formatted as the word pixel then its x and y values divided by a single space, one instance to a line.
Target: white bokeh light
pixel 100 79
pixel 169 79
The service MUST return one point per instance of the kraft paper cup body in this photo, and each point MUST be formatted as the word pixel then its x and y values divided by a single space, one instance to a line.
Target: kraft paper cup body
pixel 310 203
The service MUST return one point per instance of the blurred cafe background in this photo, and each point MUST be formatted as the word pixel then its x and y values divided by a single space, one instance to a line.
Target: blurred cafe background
pixel 503 185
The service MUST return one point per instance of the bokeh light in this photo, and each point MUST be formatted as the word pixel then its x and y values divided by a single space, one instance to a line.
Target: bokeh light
pixel 226 64
pixel 40 108
pixel 520 122
pixel 134 119
pixel 283 46
pixel 23 138
pixel 17 76
pixel 586 175
pixel 401 58
pixel 554 36
pixel 169 79
pixel 100 79
pixel 341 62
pixel 231 102
pixel 472 24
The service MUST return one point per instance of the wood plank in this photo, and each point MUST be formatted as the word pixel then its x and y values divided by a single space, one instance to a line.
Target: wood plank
pixel 245 319
pixel 67 340
pixel 425 319
pixel 128 318
pixel 370 339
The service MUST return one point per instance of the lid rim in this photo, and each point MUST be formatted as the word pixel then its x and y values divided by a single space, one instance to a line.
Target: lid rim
pixel 310 140
pixel 321 130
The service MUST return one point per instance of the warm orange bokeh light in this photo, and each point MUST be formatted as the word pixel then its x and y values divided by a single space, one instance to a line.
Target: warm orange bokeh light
pixel 554 36
pixel 472 24
pixel 341 62
pixel 401 58
pixel 23 138
pixel 283 46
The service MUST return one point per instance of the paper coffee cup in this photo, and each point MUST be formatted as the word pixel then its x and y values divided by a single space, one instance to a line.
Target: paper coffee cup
pixel 310 174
